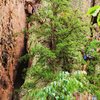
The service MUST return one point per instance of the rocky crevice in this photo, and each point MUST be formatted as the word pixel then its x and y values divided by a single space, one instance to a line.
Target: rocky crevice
pixel 13 44
pixel 21 72
pixel 12 24
pixel 94 19
pixel 23 65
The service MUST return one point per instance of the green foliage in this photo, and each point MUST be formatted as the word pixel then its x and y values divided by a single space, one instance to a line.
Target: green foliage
pixel 95 11
pixel 63 34
pixel 43 53
pixel 36 74
pixel 63 85
pixel 63 88
pixel 98 19
pixel 95 84
pixel 91 49
pixel 63 31
pixel 93 75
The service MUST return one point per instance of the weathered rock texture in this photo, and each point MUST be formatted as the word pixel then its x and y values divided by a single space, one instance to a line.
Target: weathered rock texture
pixel 12 23
pixel 83 5
pixel 97 2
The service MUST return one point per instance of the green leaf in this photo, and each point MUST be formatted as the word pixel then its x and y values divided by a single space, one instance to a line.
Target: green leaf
pixel 98 19
pixel 94 11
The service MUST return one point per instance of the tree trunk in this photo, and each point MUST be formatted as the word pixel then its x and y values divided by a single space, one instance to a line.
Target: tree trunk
pixel 12 23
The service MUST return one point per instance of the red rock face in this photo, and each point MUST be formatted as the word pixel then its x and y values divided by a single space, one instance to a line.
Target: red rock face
pixel 12 23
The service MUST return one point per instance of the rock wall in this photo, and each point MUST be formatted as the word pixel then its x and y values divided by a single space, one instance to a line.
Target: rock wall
pixel 82 5
pixel 12 23
pixel 97 2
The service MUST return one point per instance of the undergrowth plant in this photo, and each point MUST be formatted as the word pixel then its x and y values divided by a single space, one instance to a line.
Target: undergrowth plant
pixel 95 11
pixel 63 87
pixel 63 33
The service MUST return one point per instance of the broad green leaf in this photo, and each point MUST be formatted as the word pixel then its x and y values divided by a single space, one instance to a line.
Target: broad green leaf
pixel 98 19
pixel 94 11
